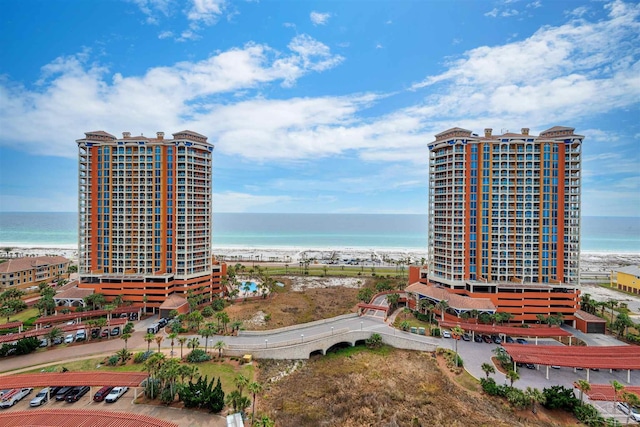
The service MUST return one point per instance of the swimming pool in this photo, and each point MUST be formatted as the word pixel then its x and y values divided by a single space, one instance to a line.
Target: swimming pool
pixel 253 287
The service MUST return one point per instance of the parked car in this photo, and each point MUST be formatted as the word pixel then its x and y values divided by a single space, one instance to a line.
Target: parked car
pixel 555 366
pixel 68 339
pixel 14 396
pixel 115 331
pixel 477 338
pixel 509 340
pixel 530 366
pixel 162 322
pixel 446 334
pixel 57 340
pixel 95 333
pixel 63 392
pixel 115 394
pixel 466 337
pixel 43 342
pixel 521 341
pixel 81 335
pixel 496 339
pixel 105 333
pixel 41 398
pixel 102 393
pixel 632 411
pixel 77 393
pixel 487 339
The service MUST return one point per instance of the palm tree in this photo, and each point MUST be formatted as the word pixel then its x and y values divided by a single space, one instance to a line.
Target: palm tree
pixel 53 334
pixel 172 337
pixel 182 341
pixel 617 388
pixel 220 345
pixel 241 382
pixel 254 388
pixel 536 396
pixel 193 343
pixel 632 400
pixel 125 338
pixel 158 340
pixel 583 386
pixel 145 300
pixel 206 333
pixel 612 303
pixel 149 339
pixel 265 421
pixel 512 376
pixel 123 355
pixel 442 306
pixel 488 369
pixel 457 332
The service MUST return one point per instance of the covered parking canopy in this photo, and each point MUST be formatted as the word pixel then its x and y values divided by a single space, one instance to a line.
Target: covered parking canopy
pixel 515 331
pixel 607 393
pixel 46 379
pixel 79 417
pixel 609 357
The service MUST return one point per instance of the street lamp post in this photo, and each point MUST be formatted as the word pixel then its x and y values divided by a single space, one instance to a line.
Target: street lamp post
pixel 266 343
pixel 360 325
pixel 302 337
pixel 332 330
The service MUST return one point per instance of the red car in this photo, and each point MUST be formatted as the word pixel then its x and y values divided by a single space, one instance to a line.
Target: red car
pixel 102 393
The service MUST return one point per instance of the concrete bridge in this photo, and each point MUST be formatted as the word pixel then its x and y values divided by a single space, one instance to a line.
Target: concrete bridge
pixel 303 341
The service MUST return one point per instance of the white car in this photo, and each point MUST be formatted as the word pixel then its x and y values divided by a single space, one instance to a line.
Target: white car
pixel 68 339
pixel 115 394
pixel 635 413
pixel 14 397
pixel 446 334
pixel 40 398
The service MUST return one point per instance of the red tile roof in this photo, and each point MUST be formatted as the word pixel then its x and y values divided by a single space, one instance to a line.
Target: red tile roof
pixel 455 301
pixel 601 357
pixel 79 417
pixel 74 293
pixel 173 301
pixel 606 392
pixel 580 314
pixel 90 378
pixel 27 263
pixel 514 331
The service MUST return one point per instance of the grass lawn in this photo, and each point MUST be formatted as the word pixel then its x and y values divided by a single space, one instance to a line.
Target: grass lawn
pixel 336 271
pixel 22 316
pixel 412 322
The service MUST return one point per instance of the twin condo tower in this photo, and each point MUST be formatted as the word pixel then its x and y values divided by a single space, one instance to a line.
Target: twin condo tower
pixel 504 217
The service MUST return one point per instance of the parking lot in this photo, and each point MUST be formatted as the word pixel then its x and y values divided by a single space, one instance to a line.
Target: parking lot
pixel 125 403
pixel 475 354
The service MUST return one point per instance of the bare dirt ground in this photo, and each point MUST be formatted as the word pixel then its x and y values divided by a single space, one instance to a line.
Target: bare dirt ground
pixel 301 300
pixel 384 388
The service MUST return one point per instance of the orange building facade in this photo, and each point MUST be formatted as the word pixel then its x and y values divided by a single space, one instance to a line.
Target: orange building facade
pixel 145 217
pixel 504 219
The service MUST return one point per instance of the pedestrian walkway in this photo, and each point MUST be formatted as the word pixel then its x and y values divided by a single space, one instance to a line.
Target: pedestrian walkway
pixel 593 339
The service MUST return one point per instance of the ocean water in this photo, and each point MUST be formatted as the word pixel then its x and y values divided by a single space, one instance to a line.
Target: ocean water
pixel 257 230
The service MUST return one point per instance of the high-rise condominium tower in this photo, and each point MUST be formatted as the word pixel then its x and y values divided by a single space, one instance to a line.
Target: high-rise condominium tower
pixel 145 216
pixel 505 208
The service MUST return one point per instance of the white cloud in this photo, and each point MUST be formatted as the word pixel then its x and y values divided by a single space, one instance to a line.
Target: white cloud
pixel 206 11
pixel 165 34
pixel 379 46
pixel 508 13
pixel 73 94
pixel 319 18
pixel 492 13
pixel 153 9
pixel 557 74
pixel 535 4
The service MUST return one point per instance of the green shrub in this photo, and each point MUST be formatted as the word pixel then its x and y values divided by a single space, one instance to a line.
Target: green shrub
pixel 113 360
pixel 435 332
pixel 588 415
pixel 218 304
pixel 560 397
pixel 207 311
pixel 197 356
pixel 517 398
pixel 142 356
pixel 27 345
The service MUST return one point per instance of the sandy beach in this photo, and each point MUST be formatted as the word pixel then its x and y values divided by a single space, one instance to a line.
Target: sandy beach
pixel 590 262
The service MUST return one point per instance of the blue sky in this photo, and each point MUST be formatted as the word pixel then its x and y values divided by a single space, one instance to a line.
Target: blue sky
pixel 323 107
